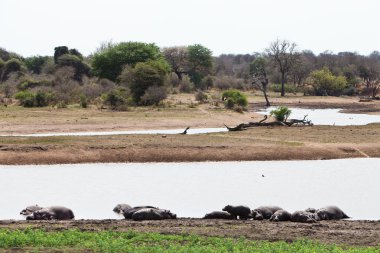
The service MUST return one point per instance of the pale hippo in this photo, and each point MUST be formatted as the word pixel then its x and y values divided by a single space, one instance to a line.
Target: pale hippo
pixel 264 212
pixel 303 216
pixel 30 209
pixel 331 213
pixel 52 213
pixel 120 207
pixel 218 215
pixel 281 215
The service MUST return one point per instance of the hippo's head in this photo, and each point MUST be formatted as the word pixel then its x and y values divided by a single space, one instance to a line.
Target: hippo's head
pixel 256 215
pixel 322 215
pixel 166 214
pixel 227 208
pixel 30 210
pixel 311 210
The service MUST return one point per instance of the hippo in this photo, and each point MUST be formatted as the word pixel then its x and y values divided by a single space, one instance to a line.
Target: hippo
pixel 120 207
pixel 244 212
pixel 52 213
pixel 127 213
pixel 30 209
pixel 303 216
pixel 218 215
pixel 331 213
pixel 264 212
pixel 280 215
pixel 152 214
pixel 311 210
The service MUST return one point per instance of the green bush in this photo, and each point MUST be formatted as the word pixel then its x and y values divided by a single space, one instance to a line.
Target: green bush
pixel 326 84
pixel 289 88
pixel 116 98
pixel 233 98
pixel 26 98
pixel 30 99
pixel 281 113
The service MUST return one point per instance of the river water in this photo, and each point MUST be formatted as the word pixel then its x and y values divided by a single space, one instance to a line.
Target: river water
pixel 193 189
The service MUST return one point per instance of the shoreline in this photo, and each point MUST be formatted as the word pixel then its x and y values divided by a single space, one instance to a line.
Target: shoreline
pixel 342 232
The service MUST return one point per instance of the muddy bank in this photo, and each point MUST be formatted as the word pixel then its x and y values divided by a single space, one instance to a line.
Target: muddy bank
pixel 359 233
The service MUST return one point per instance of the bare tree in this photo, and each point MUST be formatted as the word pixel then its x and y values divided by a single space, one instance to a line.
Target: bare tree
pixel 369 71
pixel 177 58
pixel 284 55
pixel 259 76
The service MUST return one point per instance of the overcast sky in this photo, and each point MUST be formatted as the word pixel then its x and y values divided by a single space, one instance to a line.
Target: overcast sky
pixel 35 27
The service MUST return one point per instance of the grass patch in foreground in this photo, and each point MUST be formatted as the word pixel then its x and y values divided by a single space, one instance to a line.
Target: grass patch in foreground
pixel 108 241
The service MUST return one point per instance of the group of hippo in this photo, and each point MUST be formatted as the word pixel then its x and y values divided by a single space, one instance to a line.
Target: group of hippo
pixel 276 213
pixel 139 213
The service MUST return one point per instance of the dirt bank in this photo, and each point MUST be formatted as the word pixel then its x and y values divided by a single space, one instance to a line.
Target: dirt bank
pixel 360 233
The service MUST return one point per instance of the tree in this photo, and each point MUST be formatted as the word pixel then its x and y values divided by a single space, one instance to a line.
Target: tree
pixel 109 62
pixel 258 71
pixel 74 61
pixel 325 83
pixel 145 75
pixel 369 72
pixel 177 57
pixel 59 51
pixel 199 62
pixel 303 67
pixel 35 63
pixel 284 55
pixel 12 65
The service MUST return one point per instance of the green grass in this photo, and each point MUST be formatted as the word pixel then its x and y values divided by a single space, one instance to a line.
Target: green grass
pixel 107 241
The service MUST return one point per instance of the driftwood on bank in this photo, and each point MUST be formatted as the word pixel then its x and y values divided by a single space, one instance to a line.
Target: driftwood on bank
pixel 291 122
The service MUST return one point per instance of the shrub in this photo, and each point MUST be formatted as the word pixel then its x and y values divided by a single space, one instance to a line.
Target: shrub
pixel 153 95
pixel 289 88
pixel 116 98
pixel 186 85
pixel 74 61
pixel 229 82
pixel 35 63
pixel 233 98
pixel 13 65
pixel 83 102
pixel 281 113
pixel 326 84
pixel 201 96
pixel 26 98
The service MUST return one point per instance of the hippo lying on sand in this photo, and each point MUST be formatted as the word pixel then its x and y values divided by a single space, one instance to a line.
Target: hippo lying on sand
pixel 303 216
pixel 218 215
pixel 264 212
pixel 30 209
pixel 127 213
pixel 120 207
pixel 152 214
pixel 244 212
pixel 52 213
pixel 280 215
pixel 331 213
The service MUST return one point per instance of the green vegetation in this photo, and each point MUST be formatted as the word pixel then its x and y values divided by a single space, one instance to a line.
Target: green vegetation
pixel 106 241
pixel 234 98
pixel 325 83
pixel 281 113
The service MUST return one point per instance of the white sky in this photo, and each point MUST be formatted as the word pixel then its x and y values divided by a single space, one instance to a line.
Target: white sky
pixel 35 27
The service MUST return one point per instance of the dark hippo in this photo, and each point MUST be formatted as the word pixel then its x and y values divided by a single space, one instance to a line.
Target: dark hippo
pixel 264 212
pixel 331 213
pixel 244 212
pixel 303 216
pixel 218 215
pixel 52 213
pixel 127 213
pixel 120 207
pixel 281 215
pixel 30 209
pixel 152 214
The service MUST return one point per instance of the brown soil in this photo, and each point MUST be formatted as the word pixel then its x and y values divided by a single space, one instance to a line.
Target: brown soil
pixel 359 233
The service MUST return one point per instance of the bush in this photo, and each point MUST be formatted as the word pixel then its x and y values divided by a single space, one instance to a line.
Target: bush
pixel 289 88
pixel 26 98
pixel 83 102
pixel 201 96
pixel 74 61
pixel 116 98
pixel 13 65
pixel 233 98
pixel 326 84
pixel 30 99
pixel 153 95
pixel 229 82
pixel 186 85
pixel 281 113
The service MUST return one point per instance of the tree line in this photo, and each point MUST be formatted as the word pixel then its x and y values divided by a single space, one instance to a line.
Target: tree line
pixel 137 73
